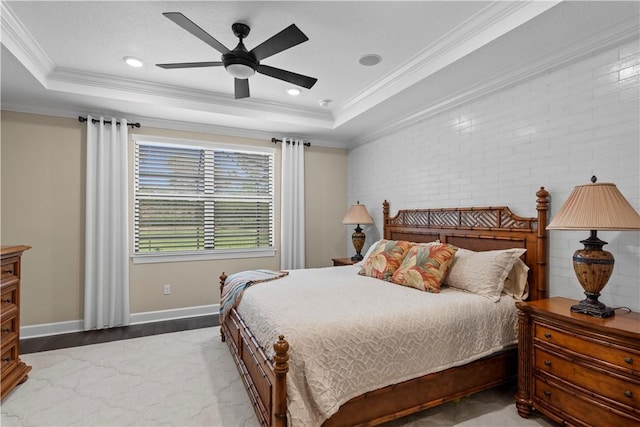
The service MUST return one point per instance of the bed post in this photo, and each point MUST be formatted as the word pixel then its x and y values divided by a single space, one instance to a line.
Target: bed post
pixel 223 278
pixel 542 206
pixel 280 368
pixel 385 218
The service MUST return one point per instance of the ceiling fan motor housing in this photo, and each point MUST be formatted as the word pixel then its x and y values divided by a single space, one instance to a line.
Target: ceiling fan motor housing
pixel 237 61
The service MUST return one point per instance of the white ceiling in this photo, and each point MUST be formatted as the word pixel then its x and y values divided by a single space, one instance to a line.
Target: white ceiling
pixel 65 58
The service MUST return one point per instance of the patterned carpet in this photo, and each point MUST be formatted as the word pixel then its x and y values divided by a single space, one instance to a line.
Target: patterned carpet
pixel 182 379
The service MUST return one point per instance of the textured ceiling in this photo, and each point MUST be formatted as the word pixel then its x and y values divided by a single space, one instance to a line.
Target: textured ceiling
pixel 66 58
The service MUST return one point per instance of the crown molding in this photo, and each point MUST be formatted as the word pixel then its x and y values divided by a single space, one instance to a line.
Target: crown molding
pixel 23 46
pixel 92 84
pixel 154 122
pixel 564 56
pixel 485 26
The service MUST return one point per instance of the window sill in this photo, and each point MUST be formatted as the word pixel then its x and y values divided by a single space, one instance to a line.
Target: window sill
pixel 199 256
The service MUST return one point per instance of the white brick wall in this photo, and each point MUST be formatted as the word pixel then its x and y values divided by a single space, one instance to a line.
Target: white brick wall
pixel 553 131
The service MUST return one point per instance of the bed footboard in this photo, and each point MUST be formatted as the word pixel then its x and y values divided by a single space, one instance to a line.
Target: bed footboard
pixel 409 397
pixel 265 382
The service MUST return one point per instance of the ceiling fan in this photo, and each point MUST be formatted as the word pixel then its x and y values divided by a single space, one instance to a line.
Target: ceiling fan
pixel 241 63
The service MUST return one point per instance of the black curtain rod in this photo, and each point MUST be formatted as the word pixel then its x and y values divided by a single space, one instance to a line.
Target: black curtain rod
pixel 94 121
pixel 275 141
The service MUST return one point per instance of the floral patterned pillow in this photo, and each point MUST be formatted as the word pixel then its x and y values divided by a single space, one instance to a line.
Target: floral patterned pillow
pixel 425 266
pixel 385 259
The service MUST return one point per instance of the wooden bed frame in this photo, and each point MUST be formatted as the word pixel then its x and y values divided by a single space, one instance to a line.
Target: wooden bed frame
pixel 477 229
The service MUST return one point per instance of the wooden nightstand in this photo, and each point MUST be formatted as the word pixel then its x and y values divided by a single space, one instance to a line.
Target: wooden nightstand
pixel 342 261
pixel 578 369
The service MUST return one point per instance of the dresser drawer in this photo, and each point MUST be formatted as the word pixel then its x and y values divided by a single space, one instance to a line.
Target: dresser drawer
pixel 623 358
pixel 618 388
pixel 9 296
pixel 9 328
pixel 9 268
pixel 550 395
pixel 9 356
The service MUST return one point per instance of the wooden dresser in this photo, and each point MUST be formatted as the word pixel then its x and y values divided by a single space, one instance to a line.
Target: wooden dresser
pixel 14 371
pixel 578 369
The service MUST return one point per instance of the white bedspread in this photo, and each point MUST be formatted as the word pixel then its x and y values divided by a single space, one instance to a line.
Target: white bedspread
pixel 350 334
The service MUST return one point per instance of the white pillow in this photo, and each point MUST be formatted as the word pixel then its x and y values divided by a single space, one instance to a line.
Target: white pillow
pixel 482 273
pixel 516 285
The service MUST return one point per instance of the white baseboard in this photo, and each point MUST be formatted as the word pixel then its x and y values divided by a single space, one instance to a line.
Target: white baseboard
pixel 57 328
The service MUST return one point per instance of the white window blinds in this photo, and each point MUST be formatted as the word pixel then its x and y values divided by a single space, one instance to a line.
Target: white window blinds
pixel 190 198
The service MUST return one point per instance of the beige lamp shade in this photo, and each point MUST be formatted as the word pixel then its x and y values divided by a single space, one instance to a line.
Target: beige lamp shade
pixel 596 206
pixel 357 214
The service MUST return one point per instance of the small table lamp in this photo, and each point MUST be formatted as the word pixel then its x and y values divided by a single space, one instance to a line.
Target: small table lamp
pixel 357 214
pixel 595 206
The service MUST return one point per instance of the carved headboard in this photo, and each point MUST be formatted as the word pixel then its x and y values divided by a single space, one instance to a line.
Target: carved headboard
pixel 480 229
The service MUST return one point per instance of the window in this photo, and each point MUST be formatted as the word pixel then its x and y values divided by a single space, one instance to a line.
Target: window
pixel 198 200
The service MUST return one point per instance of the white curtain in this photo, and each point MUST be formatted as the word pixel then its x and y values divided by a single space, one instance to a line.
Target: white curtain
pixel 292 210
pixel 106 287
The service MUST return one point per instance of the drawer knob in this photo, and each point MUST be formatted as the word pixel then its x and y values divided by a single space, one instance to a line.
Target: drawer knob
pixel 547 393
pixel 8 272
pixel 628 393
pixel 6 359
pixel 6 330
pixel 547 335
pixel 547 362
pixel 628 360
pixel 7 300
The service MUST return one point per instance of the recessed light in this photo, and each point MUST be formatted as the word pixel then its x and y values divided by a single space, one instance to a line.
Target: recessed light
pixel 325 102
pixel 370 60
pixel 293 92
pixel 133 62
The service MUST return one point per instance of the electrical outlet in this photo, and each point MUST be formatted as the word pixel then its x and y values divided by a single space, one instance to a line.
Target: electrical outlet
pixel 167 289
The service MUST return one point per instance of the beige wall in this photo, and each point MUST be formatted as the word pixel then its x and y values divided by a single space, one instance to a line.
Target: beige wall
pixel 43 206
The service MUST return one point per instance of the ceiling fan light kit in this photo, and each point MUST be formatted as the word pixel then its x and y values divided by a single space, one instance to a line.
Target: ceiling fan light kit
pixel 241 63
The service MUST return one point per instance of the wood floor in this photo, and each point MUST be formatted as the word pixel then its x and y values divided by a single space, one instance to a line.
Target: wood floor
pixel 54 342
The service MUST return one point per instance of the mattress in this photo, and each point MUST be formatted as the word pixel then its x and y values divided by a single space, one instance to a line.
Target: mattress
pixel 350 334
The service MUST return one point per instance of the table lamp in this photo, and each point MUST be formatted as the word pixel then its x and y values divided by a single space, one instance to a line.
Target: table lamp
pixel 357 214
pixel 593 207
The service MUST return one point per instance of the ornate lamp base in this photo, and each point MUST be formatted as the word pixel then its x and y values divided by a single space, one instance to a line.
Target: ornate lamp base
pixel 593 307
pixel 357 238
pixel 593 267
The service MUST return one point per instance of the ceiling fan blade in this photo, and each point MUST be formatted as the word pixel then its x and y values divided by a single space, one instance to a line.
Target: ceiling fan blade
pixel 188 25
pixel 190 65
pixel 285 39
pixel 241 88
pixel 287 76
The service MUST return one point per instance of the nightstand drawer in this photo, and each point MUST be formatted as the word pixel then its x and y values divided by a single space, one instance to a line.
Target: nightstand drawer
pixel 591 348
pixel 618 388
pixel 575 405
